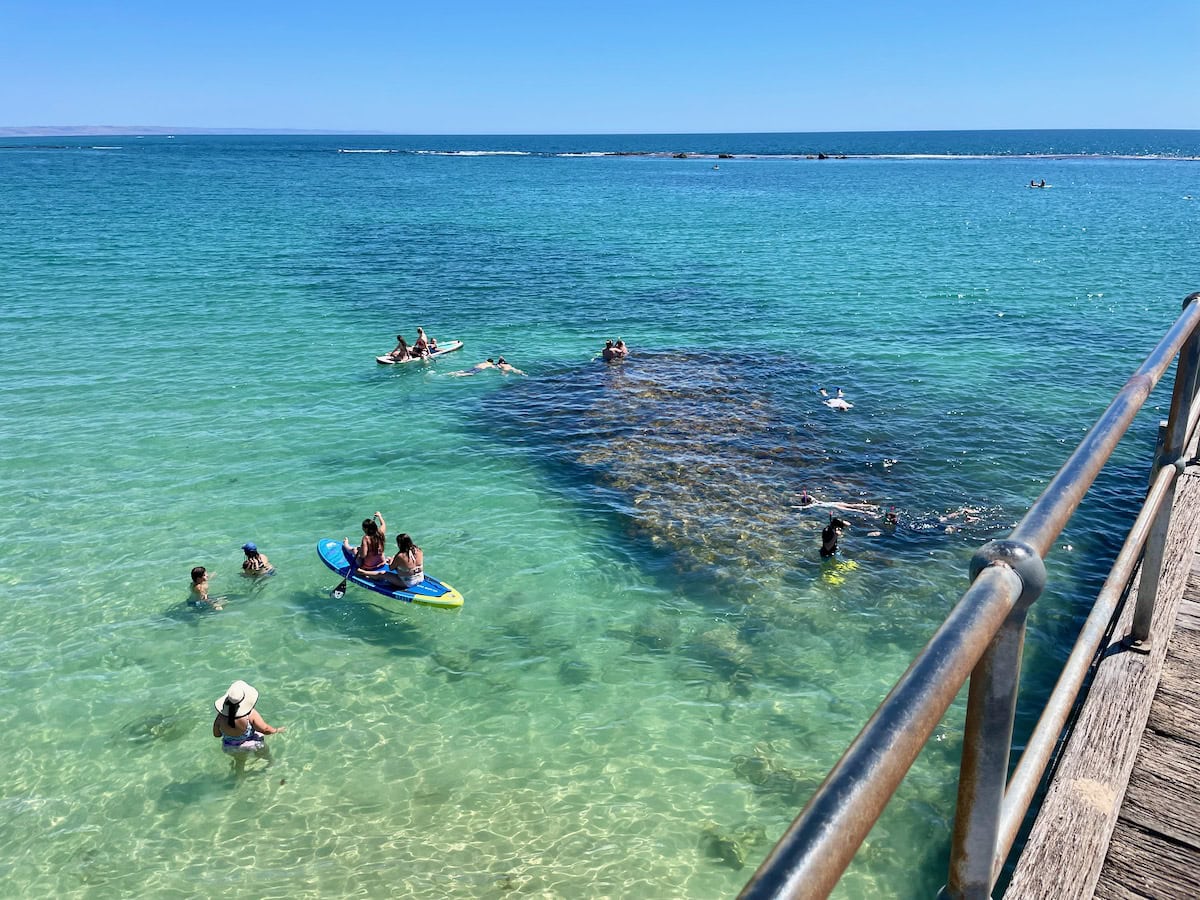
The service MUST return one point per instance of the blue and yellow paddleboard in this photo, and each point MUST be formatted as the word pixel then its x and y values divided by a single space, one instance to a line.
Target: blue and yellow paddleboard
pixel 429 592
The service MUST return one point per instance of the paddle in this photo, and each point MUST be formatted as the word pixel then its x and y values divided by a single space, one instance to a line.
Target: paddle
pixel 340 591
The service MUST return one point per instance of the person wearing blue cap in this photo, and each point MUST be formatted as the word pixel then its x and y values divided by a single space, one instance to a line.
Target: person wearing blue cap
pixel 255 564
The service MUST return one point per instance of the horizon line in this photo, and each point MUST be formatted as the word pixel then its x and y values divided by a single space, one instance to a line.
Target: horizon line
pixel 157 130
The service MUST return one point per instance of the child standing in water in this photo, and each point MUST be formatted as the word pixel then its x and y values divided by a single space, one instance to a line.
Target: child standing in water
pixel 198 596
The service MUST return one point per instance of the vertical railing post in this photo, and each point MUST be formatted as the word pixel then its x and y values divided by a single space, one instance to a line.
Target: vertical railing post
pixel 987 738
pixel 1187 377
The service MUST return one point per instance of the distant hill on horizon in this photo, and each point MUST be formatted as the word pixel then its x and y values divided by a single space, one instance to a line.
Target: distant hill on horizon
pixel 87 130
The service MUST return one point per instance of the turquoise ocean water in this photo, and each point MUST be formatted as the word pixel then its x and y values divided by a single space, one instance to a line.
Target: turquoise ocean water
pixel 652 670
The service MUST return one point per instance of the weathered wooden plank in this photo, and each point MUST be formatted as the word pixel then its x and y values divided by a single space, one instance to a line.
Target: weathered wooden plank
pixel 1066 848
pixel 1176 709
pixel 1154 801
pixel 1145 865
pixel 1189 609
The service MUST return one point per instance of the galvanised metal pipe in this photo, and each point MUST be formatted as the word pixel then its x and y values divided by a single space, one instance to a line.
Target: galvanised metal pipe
pixel 1178 430
pixel 1042 742
pixel 987 740
pixel 1049 514
pixel 819 844
pixel 987 737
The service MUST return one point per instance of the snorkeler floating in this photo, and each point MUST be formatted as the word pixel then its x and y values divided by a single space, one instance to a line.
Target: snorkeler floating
pixel 829 537
pixel 499 364
pixel 838 401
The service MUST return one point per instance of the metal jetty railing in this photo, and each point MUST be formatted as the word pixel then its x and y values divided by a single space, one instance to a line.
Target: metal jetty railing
pixel 982 639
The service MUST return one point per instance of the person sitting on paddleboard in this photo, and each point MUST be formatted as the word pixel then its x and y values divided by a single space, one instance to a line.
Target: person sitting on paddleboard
pixel 199 590
pixel 401 351
pixel 368 558
pixel 255 563
pixel 238 725
pixel 829 537
pixel 406 568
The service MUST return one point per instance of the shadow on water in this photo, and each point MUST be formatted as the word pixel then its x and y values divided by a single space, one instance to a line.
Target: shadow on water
pixel 241 767
pixel 157 728
pixel 358 616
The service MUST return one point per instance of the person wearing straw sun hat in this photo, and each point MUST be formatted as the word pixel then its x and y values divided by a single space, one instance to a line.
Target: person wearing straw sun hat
pixel 238 724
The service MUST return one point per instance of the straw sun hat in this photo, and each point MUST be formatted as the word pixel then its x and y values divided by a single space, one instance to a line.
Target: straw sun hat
pixel 240 693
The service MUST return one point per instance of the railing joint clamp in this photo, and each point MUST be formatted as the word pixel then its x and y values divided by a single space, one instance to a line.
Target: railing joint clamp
pixel 1018 556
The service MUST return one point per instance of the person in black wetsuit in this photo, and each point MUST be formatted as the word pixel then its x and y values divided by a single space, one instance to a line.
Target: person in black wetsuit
pixel 829 537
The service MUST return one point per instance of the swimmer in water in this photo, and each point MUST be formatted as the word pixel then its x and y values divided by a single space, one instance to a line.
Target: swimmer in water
pixel 829 537
pixel 890 521
pixel 838 401
pixel 198 594
pixel 256 563
pixel 475 370
pixel 808 501
pixel 506 368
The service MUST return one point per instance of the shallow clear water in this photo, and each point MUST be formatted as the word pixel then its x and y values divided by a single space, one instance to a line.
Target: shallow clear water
pixel 651 655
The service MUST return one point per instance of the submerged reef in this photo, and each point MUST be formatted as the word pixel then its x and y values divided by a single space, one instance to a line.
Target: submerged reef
pixel 689 449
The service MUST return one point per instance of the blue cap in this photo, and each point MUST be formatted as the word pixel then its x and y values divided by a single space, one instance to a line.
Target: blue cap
pixel 249 547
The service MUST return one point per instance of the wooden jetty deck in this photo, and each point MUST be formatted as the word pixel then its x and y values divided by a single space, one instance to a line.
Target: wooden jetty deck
pixel 1121 817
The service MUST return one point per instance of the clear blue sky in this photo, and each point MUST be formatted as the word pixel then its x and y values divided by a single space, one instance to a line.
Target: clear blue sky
pixel 584 66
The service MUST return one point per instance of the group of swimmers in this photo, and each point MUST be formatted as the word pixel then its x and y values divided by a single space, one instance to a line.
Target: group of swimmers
pixel 422 348
pixel 255 565
pixel 238 725
pixel 945 524
pixel 498 364
pixel 831 532
pixel 614 350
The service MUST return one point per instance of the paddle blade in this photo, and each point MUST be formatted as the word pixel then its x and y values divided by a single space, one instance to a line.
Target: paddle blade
pixel 340 591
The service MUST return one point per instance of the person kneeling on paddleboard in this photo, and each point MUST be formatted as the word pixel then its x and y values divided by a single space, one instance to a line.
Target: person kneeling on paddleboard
pixel 401 351
pixel 424 345
pixel 368 558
